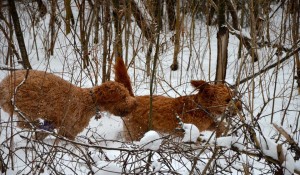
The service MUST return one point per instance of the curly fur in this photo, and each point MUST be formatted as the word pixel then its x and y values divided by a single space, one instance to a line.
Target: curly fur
pixel 65 106
pixel 199 109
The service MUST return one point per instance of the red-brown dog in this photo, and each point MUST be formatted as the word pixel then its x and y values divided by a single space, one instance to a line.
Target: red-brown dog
pixel 62 105
pixel 199 109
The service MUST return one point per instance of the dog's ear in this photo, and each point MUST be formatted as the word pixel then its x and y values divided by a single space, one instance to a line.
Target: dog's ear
pixel 199 84
pixel 203 87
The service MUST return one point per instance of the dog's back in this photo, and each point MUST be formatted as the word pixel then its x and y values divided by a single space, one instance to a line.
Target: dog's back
pixel 29 91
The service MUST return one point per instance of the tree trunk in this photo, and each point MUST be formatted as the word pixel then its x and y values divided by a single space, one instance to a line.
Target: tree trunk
pixel 157 9
pixel 18 31
pixel 118 29
pixel 295 34
pixel 42 8
pixel 127 24
pixel 171 13
pixel 52 27
pixel 156 55
pixel 246 42
pixel 69 16
pixel 105 39
pixel 83 38
pixel 148 59
pixel 141 22
pixel 96 23
pixel 223 37
pixel 233 13
pixel 174 65
pixel 252 44
pixel 211 14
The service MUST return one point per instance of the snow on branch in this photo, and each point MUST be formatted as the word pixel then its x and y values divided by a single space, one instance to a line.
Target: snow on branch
pixel 8 68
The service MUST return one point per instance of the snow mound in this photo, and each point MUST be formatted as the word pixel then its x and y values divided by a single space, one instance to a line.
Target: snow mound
pixel 207 136
pixel 151 141
pixel 191 133
pixel 226 141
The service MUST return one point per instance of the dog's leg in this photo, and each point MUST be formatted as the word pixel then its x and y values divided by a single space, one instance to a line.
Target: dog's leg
pixel 218 127
pixel 67 132
pixel 47 126
pixel 23 124
pixel 39 135
pixel 133 131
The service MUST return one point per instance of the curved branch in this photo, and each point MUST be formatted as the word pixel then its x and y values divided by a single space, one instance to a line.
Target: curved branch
pixel 19 34
pixel 269 67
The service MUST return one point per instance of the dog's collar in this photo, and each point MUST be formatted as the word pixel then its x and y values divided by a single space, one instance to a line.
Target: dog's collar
pixel 46 125
pixel 98 114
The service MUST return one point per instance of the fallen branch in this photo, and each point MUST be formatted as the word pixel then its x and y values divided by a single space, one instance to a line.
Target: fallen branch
pixel 289 139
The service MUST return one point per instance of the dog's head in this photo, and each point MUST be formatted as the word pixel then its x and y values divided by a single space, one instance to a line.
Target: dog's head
pixel 215 97
pixel 113 97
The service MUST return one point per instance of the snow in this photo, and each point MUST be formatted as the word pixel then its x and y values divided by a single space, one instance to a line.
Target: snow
pixel 191 133
pixel 226 141
pixel 297 165
pixel 121 157
pixel 102 168
pixel 246 34
pixel 208 136
pixel 156 166
pixel 289 162
pixel 151 141
pixel 272 149
pixel 269 147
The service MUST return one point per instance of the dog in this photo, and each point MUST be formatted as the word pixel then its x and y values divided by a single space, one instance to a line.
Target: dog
pixel 200 109
pixel 32 95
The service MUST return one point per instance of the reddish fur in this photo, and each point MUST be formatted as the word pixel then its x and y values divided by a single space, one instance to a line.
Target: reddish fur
pixel 198 109
pixel 122 76
pixel 68 107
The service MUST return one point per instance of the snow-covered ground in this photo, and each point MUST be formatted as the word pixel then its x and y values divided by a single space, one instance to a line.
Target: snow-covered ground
pixel 99 149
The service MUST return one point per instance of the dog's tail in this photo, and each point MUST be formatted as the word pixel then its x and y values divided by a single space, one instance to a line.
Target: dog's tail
pixel 121 75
